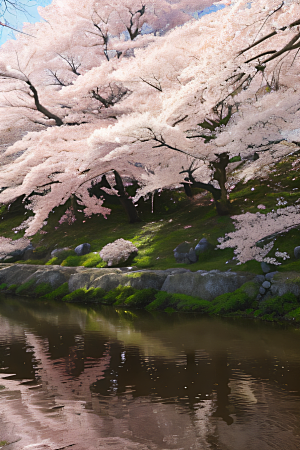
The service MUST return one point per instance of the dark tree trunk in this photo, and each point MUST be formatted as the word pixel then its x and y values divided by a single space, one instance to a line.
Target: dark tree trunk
pixel 219 195
pixel 122 196
pixel 187 189
pixel 222 204
pixel 125 200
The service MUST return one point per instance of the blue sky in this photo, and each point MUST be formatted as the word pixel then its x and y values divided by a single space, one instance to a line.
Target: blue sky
pixel 17 20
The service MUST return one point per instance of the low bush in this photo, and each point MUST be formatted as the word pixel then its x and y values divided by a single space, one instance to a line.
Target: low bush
pixel 294 314
pixel 178 302
pixel 12 288
pixel 25 288
pixel 239 300
pixel 84 295
pixel 58 293
pixel 52 262
pixel 119 295
pixel 3 286
pixel 279 306
pixel 71 261
pixel 123 292
pixel 92 260
pixel 43 289
pixel 89 260
pixel 141 298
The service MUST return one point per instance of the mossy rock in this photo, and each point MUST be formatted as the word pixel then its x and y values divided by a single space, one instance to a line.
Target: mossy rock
pixel 239 300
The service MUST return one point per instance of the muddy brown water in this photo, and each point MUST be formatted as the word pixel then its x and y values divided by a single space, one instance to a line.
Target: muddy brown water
pixel 83 378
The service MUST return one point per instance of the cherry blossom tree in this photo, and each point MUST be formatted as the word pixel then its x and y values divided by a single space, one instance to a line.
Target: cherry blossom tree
pixel 204 92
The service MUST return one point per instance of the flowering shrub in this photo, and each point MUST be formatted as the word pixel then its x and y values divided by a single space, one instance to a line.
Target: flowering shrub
pixel 117 252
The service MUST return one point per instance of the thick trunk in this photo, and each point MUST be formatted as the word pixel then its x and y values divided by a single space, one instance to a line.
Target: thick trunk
pixel 187 189
pixel 125 200
pixel 222 203
pixel 130 209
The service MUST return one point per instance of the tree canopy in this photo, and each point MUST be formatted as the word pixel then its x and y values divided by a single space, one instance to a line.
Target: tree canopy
pixel 144 89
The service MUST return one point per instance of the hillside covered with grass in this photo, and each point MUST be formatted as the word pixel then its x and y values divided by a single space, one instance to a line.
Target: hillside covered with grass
pixel 175 218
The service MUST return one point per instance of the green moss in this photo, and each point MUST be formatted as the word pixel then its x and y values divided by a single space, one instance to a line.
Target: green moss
pixel 92 260
pixel 123 292
pixel 279 306
pixel 239 300
pixel 119 294
pixel 25 288
pixel 84 295
pixel 58 293
pixel 2 443
pixel 179 302
pixel 31 261
pixel 294 314
pixel 3 286
pixel 52 262
pixel 134 275
pixel 43 289
pixel 141 298
pixel 235 159
pixel 89 260
pixel 101 265
pixel 12 287
pixel 71 261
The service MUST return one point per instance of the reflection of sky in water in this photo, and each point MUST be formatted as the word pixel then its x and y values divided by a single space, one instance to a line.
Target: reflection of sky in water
pixel 132 378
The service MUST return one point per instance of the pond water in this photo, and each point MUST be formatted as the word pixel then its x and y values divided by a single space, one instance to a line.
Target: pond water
pixel 81 377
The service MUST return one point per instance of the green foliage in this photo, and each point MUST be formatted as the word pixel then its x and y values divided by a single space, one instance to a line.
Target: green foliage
pixel 123 292
pixel 178 302
pixel 89 260
pixel 25 288
pixel 101 265
pixel 235 159
pixel 141 298
pixel 31 261
pixel 84 295
pixel 119 294
pixel 52 261
pixel 280 305
pixel 71 261
pixel 12 287
pixel 92 260
pixel 3 286
pixel 239 300
pixel 58 293
pixel 294 314
pixel 43 289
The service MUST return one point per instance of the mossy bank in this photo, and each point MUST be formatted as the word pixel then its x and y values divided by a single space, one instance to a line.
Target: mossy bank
pixel 206 292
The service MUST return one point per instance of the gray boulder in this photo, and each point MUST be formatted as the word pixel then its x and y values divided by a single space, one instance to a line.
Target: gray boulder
pixel 270 275
pixel 28 252
pixel 266 284
pixel 206 285
pixel 202 246
pixel 192 256
pixel 297 252
pixel 262 290
pixel 82 249
pixel 260 278
pixel 185 254
pixel 184 247
pixel 265 267
pixel 58 251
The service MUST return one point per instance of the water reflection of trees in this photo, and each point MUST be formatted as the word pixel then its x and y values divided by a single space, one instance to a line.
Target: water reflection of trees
pixel 160 357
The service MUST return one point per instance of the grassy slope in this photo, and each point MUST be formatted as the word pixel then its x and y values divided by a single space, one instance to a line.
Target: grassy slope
pixel 176 218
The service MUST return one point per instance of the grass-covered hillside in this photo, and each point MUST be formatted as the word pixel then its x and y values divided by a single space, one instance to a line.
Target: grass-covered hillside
pixel 175 218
